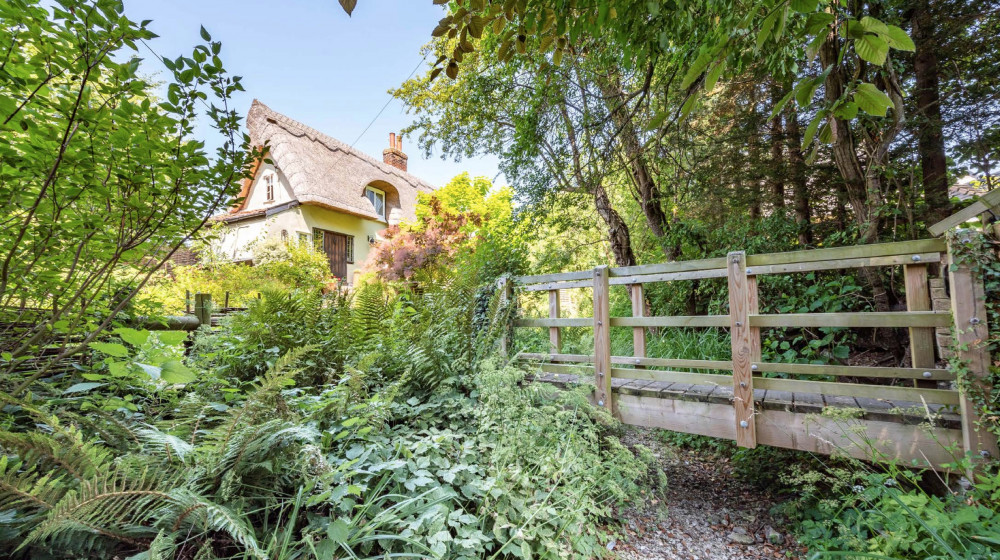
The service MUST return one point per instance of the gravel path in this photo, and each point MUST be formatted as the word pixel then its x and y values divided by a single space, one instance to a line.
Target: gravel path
pixel 707 513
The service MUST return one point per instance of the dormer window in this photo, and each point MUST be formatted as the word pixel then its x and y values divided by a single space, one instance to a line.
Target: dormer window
pixel 377 198
pixel 269 187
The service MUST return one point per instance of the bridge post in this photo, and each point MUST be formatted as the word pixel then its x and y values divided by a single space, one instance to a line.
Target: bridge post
pixel 555 340
pixel 638 333
pixel 968 306
pixel 602 338
pixel 745 343
pixel 506 294
pixel 918 298
pixel 203 308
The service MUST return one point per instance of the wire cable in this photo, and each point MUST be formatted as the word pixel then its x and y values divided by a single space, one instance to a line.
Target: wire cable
pixel 380 111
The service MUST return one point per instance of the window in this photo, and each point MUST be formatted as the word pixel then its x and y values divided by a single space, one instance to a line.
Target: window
pixel 377 198
pixel 269 184
pixel 304 238
pixel 350 249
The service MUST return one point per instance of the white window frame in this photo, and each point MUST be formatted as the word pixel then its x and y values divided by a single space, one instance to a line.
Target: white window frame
pixel 373 194
pixel 269 187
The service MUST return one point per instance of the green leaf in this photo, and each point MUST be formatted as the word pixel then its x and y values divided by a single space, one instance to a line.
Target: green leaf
pixel 871 100
pixel 713 75
pixel 872 25
pixel 818 22
pixel 132 336
pixel 810 132
pixel 898 39
pixel 781 104
pixel 172 338
pixel 338 531
pixel 696 69
pixel 204 34
pixel 847 110
pixel 174 372
pixel 765 28
pixel 476 26
pixel 872 49
pixel 111 349
pixel 82 387
pixel 826 134
pixel 804 6
pixel 805 91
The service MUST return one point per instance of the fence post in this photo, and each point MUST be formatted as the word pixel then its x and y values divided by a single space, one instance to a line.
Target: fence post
pixel 918 298
pixel 638 333
pixel 971 334
pixel 203 308
pixel 505 298
pixel 746 345
pixel 555 340
pixel 602 338
pixel 187 301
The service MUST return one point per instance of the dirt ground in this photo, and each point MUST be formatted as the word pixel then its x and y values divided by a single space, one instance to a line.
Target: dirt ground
pixel 706 514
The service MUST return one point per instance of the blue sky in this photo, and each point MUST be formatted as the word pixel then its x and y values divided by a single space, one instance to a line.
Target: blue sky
pixel 309 60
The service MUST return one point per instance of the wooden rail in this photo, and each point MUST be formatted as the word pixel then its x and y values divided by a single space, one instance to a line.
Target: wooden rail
pixel 740 382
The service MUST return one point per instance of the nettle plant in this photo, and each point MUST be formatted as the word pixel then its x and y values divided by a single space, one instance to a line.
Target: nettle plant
pixel 100 181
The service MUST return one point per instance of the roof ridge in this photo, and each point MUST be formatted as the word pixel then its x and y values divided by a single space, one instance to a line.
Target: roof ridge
pixel 327 140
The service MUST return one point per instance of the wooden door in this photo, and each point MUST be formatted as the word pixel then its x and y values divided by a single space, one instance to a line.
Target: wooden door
pixel 335 247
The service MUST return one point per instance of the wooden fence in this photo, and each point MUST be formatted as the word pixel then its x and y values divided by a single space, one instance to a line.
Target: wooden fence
pixel 745 322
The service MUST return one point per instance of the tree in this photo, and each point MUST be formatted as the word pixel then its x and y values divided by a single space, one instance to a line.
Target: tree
pixel 99 182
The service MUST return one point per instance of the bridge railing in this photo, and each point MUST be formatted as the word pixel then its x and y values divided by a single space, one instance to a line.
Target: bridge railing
pixel 744 321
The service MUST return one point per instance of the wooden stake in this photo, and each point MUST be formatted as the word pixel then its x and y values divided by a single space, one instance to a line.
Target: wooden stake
pixel 555 342
pixel 918 298
pixel 602 338
pixel 746 346
pixel 971 334
pixel 187 301
pixel 638 333
pixel 203 308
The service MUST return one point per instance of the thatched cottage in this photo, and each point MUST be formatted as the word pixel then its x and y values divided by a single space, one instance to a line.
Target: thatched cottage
pixel 315 189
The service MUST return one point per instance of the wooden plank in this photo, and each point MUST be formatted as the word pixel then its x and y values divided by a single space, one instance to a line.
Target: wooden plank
pixel 673 321
pixel 854 371
pixel 556 286
pixel 918 298
pixel 602 338
pixel 638 311
pixel 919 246
pixel 907 443
pixel 855 320
pixel 669 267
pixel 807 403
pixel 557 277
pixel 577 322
pixel 672 376
pixel 986 202
pixel 939 396
pixel 670 276
pixel 630 360
pixel 971 339
pixel 689 417
pixel 844 264
pixel 555 341
pixel 743 352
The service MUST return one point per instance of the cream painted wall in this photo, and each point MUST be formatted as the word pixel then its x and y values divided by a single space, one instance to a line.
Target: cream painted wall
pixel 237 240
pixel 257 198
pixel 337 222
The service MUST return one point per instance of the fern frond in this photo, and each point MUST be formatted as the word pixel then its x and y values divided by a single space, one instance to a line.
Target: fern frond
pixel 28 491
pixel 192 514
pixel 117 505
pixel 64 450
pixel 165 446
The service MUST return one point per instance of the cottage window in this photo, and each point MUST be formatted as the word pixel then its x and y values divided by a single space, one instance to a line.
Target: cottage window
pixel 269 184
pixel 377 198
pixel 303 238
pixel 350 249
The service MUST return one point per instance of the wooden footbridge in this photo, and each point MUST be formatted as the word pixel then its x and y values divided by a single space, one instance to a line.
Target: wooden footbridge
pixel 918 415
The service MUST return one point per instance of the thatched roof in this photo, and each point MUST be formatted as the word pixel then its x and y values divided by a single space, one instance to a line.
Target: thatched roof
pixel 324 171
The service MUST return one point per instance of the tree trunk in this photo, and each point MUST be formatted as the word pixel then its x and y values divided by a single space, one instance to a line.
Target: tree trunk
pixel 930 140
pixel 650 197
pixel 800 188
pixel 777 178
pixel 864 192
pixel 618 236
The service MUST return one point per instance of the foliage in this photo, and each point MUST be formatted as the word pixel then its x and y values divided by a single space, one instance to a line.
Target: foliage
pixel 277 267
pixel 99 181
pixel 466 220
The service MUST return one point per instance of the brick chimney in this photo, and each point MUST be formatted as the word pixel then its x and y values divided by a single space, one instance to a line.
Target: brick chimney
pixel 393 155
